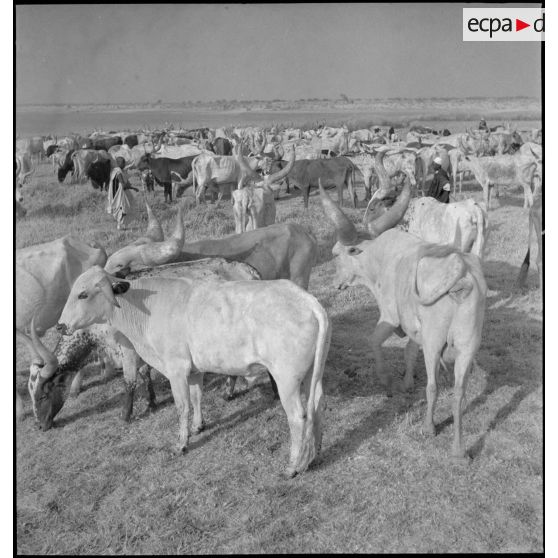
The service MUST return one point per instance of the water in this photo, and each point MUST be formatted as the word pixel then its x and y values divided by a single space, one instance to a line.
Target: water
pixel 61 122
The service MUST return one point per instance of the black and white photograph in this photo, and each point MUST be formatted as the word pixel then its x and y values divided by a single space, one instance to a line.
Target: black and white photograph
pixel 279 280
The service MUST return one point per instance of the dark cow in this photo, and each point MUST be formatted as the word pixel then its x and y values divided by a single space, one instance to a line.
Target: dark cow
pixel 446 132
pixel 99 174
pixel 65 166
pixel 106 143
pixel 221 146
pixel 165 171
pixel 336 172
pixel 51 149
pixel 131 140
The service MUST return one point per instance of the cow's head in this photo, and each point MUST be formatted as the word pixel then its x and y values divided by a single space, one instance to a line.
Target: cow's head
pixel 352 265
pixel 92 300
pixel 46 386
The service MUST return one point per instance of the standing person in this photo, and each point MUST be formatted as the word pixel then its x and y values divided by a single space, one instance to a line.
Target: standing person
pixel 121 203
pixel 440 186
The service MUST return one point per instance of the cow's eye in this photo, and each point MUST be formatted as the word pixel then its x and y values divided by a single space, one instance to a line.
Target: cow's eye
pixel 83 294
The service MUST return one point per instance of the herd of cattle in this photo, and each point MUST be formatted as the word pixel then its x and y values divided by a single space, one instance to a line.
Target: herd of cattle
pixel 234 305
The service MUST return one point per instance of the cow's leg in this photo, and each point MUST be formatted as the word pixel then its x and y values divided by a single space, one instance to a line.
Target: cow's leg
pixel 463 365
pixel 289 392
pixel 340 193
pixel 145 374
pixel 107 368
pixel 306 195
pixel 351 189
pixel 18 406
pixel 367 175
pixel 130 370
pixel 411 353
pixel 319 406
pixel 178 376
pixel 432 362
pixel 381 333
pixel 75 387
pixel 196 388
pixel 228 392
pixel 528 195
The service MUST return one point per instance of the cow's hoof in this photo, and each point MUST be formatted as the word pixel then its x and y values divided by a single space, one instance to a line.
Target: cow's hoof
pixel 428 430
pixel 461 460
pixel 126 417
pixel 289 473
pixel 196 429
pixel 180 450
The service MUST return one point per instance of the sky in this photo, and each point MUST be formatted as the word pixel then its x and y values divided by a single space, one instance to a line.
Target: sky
pixel 143 53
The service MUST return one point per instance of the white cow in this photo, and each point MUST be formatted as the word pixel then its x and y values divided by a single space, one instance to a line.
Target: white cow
pixel 184 328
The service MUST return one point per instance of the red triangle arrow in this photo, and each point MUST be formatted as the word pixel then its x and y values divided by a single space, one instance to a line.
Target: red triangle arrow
pixel 519 25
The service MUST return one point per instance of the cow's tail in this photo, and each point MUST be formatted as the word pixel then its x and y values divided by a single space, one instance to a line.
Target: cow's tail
pixel 312 431
pixel 482 223
pixel 451 277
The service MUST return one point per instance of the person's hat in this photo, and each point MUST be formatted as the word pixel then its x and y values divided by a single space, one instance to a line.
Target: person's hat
pixel 438 161
pixel 482 120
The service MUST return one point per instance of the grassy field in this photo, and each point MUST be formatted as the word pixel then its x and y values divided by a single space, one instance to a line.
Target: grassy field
pixel 95 485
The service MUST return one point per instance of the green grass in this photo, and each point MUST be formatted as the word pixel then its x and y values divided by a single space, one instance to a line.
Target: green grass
pixel 94 485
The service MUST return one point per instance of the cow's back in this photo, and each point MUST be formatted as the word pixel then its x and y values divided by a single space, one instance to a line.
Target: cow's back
pixel 45 274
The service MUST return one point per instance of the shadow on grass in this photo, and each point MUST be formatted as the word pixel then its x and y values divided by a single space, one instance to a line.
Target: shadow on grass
pixel 510 344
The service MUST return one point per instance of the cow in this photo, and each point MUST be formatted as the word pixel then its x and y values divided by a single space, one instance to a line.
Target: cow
pixel 84 158
pixel 65 164
pixel 148 253
pixel 500 170
pixel 216 171
pixel 221 146
pixel 166 171
pixel 434 294
pixel 23 167
pixel 105 143
pixel 337 172
pixel 44 276
pixel 131 140
pixel 535 226
pixel 389 163
pixel 461 224
pixel 185 328
pixel 254 206
pixel 279 251
pixel 99 174
pixel 51 371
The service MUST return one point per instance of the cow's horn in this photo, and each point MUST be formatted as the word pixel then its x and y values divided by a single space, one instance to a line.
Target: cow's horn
pixel 391 217
pixel 178 233
pixel 244 167
pixel 282 173
pixel 154 229
pixel 48 359
pixel 346 231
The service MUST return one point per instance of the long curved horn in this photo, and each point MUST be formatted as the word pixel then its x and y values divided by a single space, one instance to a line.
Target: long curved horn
pixel 346 231
pixel 391 217
pixel 244 167
pixel 154 229
pixel 157 148
pixel 178 233
pixel 48 358
pixel 381 169
pixel 280 174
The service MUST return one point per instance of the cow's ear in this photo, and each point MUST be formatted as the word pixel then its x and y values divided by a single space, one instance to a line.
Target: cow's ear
pixel 120 287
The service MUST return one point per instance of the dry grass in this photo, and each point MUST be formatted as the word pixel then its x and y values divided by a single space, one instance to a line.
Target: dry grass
pixel 96 485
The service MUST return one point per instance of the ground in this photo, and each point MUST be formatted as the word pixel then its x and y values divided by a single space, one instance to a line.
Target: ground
pixel 94 484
